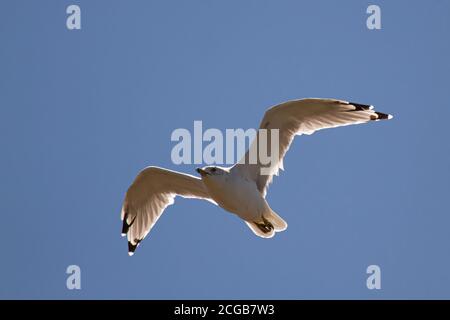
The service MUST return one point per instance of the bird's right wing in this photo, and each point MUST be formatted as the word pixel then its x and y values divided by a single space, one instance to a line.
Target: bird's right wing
pixel 299 117
pixel 151 192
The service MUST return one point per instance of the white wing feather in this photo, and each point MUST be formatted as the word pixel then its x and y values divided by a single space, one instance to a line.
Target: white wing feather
pixel 151 192
pixel 302 117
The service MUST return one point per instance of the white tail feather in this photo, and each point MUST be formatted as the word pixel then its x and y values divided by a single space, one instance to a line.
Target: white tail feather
pixel 278 223
pixel 258 231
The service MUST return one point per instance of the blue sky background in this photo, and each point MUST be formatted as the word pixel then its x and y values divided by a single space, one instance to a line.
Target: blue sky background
pixel 81 112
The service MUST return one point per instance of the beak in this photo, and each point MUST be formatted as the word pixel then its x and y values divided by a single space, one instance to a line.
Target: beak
pixel 201 172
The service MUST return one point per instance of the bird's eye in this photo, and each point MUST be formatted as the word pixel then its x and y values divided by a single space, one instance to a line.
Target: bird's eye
pixel 213 170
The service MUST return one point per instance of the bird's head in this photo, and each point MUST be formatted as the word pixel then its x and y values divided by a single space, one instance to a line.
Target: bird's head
pixel 211 172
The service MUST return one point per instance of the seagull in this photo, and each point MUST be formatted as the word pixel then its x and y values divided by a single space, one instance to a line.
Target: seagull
pixel 240 189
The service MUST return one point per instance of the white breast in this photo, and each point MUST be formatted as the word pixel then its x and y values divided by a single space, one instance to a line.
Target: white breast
pixel 237 195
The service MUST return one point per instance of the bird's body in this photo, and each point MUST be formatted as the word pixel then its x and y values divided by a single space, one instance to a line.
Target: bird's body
pixel 235 193
pixel 240 189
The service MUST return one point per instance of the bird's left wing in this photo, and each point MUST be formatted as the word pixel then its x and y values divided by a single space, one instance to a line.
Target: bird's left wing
pixel 151 192
pixel 298 117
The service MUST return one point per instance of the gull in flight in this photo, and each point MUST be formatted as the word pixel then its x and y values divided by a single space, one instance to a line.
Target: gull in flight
pixel 240 189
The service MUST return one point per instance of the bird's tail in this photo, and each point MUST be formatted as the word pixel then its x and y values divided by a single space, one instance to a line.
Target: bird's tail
pixel 260 230
pixel 278 223
pixel 270 223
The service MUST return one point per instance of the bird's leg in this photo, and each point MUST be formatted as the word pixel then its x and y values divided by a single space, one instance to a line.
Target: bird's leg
pixel 266 226
pixel 267 223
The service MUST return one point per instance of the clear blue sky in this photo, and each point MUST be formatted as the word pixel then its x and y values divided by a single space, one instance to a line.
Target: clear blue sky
pixel 82 112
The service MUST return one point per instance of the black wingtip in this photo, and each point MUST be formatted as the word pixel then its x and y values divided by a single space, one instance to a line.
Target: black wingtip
pixel 383 116
pixel 125 225
pixel 132 247
pixel 360 107
pixel 365 107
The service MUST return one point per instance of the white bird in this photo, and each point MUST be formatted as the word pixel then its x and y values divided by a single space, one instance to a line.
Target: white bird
pixel 240 189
